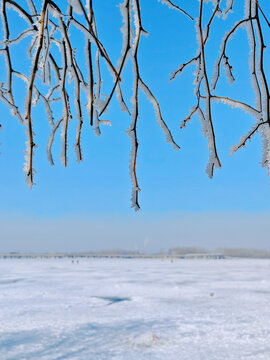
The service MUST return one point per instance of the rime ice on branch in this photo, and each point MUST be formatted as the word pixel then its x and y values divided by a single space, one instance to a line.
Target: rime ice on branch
pixel 57 67
pixel 48 26
pixel 205 94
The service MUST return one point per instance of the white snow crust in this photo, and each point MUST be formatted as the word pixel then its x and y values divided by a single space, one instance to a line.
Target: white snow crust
pixel 134 309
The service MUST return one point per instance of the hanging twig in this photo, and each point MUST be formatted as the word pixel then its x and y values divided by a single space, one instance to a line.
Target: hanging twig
pixel 49 28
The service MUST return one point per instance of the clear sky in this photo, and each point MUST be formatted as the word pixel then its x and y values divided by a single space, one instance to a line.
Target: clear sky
pixel 87 206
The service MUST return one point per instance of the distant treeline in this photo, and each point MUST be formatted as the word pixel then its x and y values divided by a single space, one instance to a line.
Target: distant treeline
pixel 178 252
pixel 227 252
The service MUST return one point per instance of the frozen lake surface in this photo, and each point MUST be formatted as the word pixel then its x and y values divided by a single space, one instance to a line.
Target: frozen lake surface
pixel 132 309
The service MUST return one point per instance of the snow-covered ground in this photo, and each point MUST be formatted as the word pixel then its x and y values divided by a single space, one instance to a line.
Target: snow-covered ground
pixel 135 309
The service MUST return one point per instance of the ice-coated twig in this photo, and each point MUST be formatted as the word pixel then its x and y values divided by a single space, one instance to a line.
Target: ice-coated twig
pixel 223 56
pixel 57 73
pixel 202 79
pixel 252 61
pixel 125 10
pixel 132 131
pixel 263 14
pixel 264 88
pixel 238 104
pixel 193 111
pixel 214 161
pixel 66 108
pixel 3 6
pixel 159 117
pixel 50 141
pixel 48 29
pixel 250 22
pixel 182 67
pixel 89 63
pixel 21 36
pixel 30 135
pixel 31 6
pixel 247 137
pixel 171 5
pixel 228 9
pixel 13 108
pixel 91 35
pixel 139 83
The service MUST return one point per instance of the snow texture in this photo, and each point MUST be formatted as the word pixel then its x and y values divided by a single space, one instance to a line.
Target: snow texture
pixel 134 309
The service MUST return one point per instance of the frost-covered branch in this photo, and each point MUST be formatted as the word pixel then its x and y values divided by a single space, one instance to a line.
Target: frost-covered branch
pixel 74 78
pixel 202 81
pixel 56 73
pixel 247 137
pixel 29 131
pixel 261 110
pixel 171 5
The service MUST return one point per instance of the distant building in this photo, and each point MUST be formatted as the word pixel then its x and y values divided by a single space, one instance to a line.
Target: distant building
pixel 204 256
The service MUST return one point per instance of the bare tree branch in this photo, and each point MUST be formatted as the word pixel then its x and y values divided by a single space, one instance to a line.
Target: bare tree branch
pixel 56 62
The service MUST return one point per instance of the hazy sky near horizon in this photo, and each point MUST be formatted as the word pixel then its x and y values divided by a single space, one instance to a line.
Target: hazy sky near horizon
pixel 87 206
pixel 144 232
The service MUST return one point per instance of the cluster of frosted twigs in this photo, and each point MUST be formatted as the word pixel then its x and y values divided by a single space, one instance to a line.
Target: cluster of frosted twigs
pixel 205 88
pixel 55 64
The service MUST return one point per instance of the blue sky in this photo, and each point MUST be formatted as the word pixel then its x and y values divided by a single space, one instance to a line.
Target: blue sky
pixel 88 204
